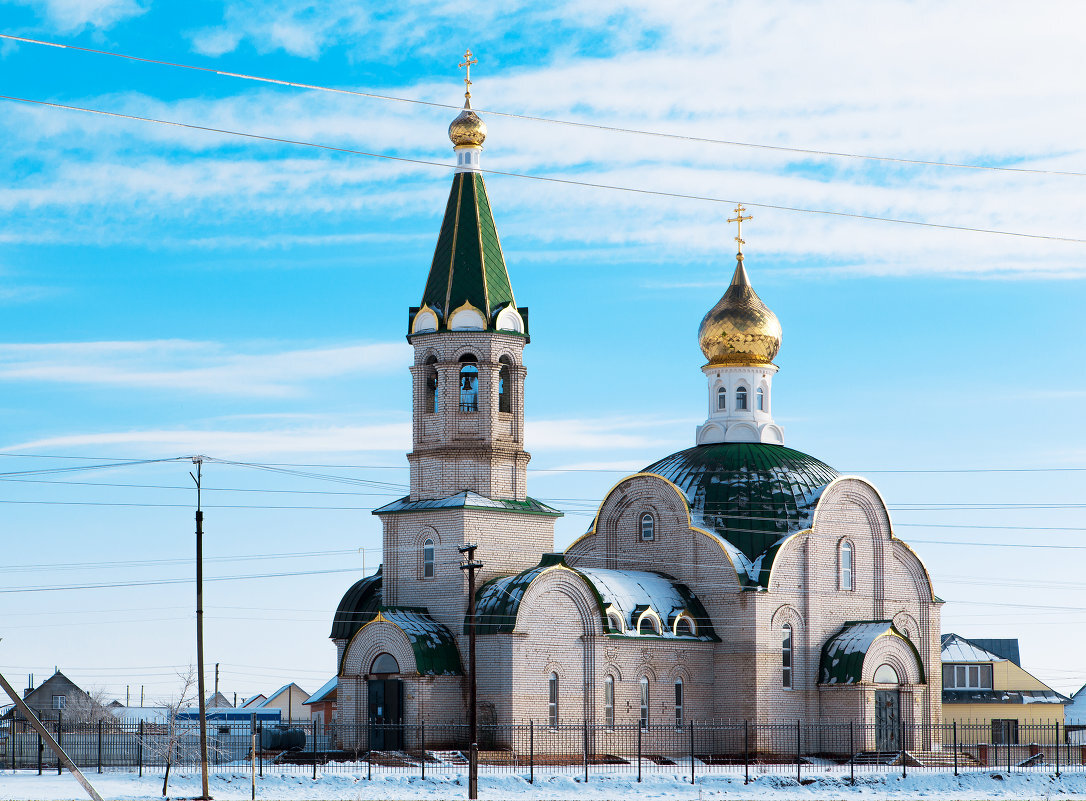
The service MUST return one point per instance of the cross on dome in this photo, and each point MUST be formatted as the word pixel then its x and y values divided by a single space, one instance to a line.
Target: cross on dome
pixel 739 218
pixel 466 63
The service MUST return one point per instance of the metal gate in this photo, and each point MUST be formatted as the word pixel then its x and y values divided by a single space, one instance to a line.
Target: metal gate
pixel 887 720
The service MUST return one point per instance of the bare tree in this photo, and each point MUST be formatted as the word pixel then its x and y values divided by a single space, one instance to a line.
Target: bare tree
pixel 169 740
pixel 89 708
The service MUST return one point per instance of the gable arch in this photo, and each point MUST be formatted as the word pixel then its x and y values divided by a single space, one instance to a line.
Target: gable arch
pixel 897 652
pixel 377 637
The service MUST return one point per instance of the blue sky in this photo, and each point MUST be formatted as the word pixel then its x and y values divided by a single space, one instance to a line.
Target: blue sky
pixel 166 292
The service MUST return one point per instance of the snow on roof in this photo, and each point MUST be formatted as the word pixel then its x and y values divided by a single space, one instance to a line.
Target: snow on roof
pixel 435 649
pixel 628 589
pixel 959 649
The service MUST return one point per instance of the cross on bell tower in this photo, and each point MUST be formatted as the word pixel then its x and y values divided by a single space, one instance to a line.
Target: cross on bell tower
pixel 466 64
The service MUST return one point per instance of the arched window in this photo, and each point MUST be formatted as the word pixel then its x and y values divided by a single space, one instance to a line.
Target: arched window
pixel 684 626
pixel 609 701
pixel 505 385
pixel 648 624
pixel 469 384
pixel 721 399
pixel 430 403
pixel 385 663
pixel 678 703
pixel 648 528
pixel 644 702
pixel 761 399
pixel 428 559
pixel 614 620
pixel 741 399
pixel 885 674
pixel 845 565
pixel 552 700
pixel 786 657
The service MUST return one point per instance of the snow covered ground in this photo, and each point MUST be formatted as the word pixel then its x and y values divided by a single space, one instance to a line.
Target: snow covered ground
pixel 236 787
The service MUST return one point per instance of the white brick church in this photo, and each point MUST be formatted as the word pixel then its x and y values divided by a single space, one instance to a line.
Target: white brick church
pixel 737 579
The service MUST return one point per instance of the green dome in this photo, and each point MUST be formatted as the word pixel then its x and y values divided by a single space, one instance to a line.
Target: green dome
pixel 750 494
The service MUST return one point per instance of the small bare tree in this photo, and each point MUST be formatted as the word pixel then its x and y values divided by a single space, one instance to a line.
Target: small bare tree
pixel 89 708
pixel 169 743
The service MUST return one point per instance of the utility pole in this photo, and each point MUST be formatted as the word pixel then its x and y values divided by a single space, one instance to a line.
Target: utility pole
pixel 471 565
pixel 216 678
pixel 199 462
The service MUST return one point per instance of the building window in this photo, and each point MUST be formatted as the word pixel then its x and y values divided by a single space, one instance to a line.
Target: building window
pixel 1004 732
pixel 845 564
pixel 505 386
pixel 552 700
pixel 431 386
pixel 644 722
pixel 741 399
pixel 786 657
pixel 648 528
pixel 469 384
pixel 428 559
pixel 614 621
pixel 609 701
pixel 885 674
pixel 384 664
pixel 59 701
pixel 678 703
pixel 721 399
pixel 761 399
pixel 684 626
pixel 967 677
pixel 649 623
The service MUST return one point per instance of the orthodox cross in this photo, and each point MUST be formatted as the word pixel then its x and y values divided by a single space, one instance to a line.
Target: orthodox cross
pixel 466 63
pixel 739 218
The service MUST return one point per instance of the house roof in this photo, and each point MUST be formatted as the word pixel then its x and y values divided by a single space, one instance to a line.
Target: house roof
pixel 956 648
pixel 255 701
pixel 1004 697
pixel 271 698
pixel 470 500
pixel 326 693
pixel 843 654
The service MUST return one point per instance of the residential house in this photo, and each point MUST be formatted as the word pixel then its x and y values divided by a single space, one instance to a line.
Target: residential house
pixel 322 705
pixel 56 696
pixel 290 700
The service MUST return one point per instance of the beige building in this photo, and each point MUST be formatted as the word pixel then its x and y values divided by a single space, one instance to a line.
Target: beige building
pixel 738 578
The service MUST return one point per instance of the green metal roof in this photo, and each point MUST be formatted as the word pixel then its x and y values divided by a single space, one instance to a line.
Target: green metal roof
pixel 750 494
pixel 434 647
pixel 358 607
pixel 470 500
pixel 843 654
pixel 468 265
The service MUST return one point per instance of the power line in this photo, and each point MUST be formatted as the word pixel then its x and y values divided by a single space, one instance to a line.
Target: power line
pixel 548 120
pixel 547 179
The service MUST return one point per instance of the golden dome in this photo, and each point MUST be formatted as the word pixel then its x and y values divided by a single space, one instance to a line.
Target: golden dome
pixel 467 130
pixel 740 329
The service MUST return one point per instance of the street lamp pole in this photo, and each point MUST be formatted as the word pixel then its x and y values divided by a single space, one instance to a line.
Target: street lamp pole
pixel 471 565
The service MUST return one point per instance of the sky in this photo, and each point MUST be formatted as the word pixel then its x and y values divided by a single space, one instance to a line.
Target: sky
pixel 168 292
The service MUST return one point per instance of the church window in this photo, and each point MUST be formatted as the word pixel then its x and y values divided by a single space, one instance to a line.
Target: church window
pixel 385 663
pixel 505 386
pixel 609 701
pixel 469 384
pixel 684 626
pixel 552 700
pixel 845 563
pixel 648 623
pixel 761 399
pixel 885 674
pixel 721 399
pixel 614 622
pixel 644 721
pixel 741 399
pixel 648 528
pixel 786 657
pixel 678 703
pixel 431 386
pixel 428 559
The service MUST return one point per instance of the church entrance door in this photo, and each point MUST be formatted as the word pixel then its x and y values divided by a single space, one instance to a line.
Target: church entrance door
pixel 385 714
pixel 887 720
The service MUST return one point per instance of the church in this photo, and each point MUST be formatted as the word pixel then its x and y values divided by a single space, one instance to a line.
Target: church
pixel 738 579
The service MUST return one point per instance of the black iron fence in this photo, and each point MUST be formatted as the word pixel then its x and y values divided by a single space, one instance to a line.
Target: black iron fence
pixel 697 748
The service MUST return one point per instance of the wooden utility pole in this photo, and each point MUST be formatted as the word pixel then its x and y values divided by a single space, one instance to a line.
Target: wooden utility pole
pixel 199 462
pixel 471 565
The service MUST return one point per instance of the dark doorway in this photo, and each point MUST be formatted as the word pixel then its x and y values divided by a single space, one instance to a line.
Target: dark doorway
pixel 887 720
pixel 386 714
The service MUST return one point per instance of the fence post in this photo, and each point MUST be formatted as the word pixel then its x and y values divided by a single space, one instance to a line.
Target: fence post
pixel 799 747
pixel 422 747
pixel 955 748
pixel 139 749
pixel 369 742
pixel 314 750
pixel 252 758
pixel 639 753
pixel 99 746
pixel 904 769
pixel 691 752
pixel 60 740
pixel 260 745
pixel 531 752
pixel 852 751
pixel 41 749
pixel 584 747
pixel 746 752
pixel 1057 749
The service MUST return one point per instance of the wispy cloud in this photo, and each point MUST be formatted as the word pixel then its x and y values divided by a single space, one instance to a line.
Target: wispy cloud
pixel 71 16
pixel 207 367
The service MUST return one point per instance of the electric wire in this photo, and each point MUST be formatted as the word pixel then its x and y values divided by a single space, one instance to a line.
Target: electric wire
pixel 546 179
pixel 535 118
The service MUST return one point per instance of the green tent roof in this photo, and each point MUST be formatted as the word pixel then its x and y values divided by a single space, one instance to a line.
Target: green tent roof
pixel 468 265
pixel 750 494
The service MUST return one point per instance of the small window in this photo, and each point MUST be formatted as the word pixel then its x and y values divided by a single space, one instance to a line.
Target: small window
pixel 552 700
pixel 648 528
pixel 431 386
pixel 469 384
pixel 385 663
pixel 428 559
pixel 741 399
pixel 609 701
pixel 678 703
pixel 614 622
pixel 684 626
pixel 721 399
pixel 648 624
pixel 59 701
pixel 786 657
pixel 644 720
pixel 885 674
pixel 761 399
pixel 845 564
pixel 505 386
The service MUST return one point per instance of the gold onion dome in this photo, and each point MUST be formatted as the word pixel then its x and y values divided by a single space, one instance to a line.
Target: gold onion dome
pixel 740 329
pixel 467 130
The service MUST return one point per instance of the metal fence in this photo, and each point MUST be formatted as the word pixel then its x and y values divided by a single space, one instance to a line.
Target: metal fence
pixel 531 749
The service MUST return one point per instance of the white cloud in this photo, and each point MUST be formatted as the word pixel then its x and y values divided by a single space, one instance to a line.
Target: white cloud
pixel 206 367
pixel 70 16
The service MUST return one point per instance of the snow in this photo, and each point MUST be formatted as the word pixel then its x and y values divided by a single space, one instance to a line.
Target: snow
pixel 959 649
pixel 626 590
pixel 674 783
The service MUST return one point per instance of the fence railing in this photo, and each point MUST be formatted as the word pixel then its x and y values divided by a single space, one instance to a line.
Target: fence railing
pixel 696 748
